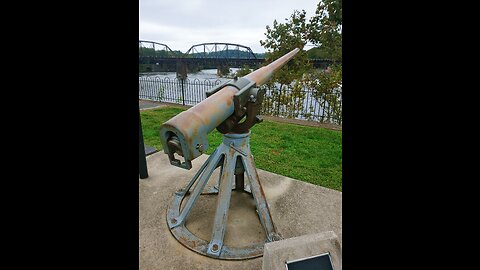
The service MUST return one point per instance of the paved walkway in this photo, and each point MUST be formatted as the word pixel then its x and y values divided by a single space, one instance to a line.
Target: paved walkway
pixel 297 208
pixel 145 104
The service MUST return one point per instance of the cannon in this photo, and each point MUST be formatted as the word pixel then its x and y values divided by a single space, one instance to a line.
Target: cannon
pixel 232 108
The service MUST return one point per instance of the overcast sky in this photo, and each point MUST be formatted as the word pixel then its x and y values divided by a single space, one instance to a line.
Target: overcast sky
pixel 183 23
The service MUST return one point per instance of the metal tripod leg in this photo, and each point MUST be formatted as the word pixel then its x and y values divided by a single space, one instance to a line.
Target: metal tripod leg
pixel 223 204
pixel 195 177
pixel 263 209
pixel 205 176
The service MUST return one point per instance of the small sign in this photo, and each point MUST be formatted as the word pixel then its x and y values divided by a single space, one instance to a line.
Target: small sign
pixel 318 262
pixel 150 150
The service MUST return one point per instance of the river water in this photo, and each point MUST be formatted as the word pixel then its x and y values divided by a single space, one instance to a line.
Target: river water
pixel 204 74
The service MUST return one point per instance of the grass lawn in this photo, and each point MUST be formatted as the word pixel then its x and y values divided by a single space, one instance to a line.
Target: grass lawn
pixel 309 154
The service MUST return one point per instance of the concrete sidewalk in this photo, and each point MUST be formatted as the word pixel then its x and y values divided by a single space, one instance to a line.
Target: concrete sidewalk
pixel 147 104
pixel 297 208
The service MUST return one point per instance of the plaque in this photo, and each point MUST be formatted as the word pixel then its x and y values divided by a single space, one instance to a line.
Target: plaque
pixel 317 262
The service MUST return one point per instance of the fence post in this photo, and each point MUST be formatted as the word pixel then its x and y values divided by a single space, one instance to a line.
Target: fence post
pixel 182 80
pixel 278 101
pixel 142 160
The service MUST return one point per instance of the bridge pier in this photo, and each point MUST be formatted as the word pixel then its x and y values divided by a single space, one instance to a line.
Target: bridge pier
pixel 223 69
pixel 181 70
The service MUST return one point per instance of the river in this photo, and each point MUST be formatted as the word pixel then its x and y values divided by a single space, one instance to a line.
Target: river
pixel 204 74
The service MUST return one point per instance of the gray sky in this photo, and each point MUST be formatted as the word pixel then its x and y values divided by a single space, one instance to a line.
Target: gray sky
pixel 183 23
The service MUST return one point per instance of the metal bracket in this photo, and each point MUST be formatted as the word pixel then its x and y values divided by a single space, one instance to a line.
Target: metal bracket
pixel 253 107
pixel 238 150
pixel 241 97
pixel 216 88
pixel 237 83
pixel 247 101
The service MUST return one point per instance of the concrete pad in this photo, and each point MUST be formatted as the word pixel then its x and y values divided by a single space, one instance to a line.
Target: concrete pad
pixel 297 209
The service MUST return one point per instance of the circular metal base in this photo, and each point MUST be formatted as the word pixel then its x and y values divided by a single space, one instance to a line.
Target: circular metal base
pixel 234 158
pixel 189 240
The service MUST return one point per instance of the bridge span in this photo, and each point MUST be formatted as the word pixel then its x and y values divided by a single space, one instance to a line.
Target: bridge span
pixel 160 57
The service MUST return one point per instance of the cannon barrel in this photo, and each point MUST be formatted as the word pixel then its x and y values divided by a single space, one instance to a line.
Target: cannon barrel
pixel 186 134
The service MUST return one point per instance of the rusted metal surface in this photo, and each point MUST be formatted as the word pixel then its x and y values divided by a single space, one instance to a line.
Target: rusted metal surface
pixel 223 204
pixel 263 74
pixel 194 179
pixel 191 127
pixel 263 208
pixel 225 108
pixel 202 181
pixel 234 147
pixel 186 135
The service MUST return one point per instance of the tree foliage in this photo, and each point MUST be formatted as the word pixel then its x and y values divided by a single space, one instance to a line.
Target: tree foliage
pixel 142 51
pixel 323 30
pixel 283 38
pixel 243 71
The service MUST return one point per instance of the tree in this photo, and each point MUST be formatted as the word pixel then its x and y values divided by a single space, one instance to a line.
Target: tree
pixel 243 71
pixel 283 38
pixel 324 30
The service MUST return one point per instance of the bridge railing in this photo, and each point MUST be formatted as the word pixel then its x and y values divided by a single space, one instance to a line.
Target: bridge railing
pixel 290 102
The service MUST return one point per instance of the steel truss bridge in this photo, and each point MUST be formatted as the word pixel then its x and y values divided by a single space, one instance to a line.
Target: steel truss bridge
pixel 204 55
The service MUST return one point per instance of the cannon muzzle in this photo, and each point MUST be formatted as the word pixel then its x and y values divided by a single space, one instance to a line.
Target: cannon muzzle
pixel 186 134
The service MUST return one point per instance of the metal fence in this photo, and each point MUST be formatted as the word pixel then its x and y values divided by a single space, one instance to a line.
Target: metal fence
pixel 185 92
pixel 290 102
